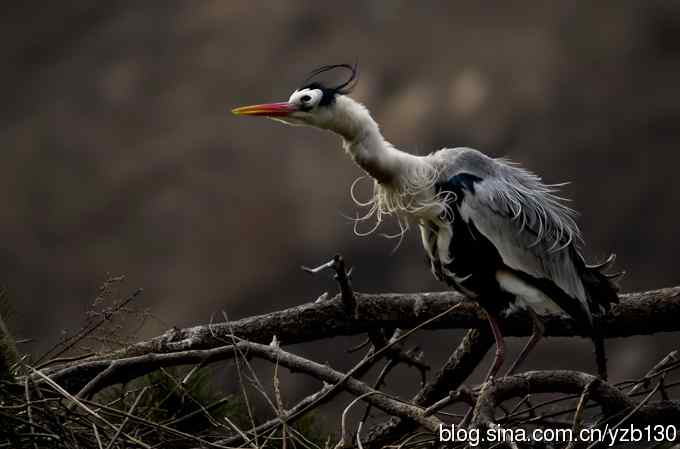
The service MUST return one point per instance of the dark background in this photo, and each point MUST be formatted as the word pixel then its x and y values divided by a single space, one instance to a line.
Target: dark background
pixel 119 155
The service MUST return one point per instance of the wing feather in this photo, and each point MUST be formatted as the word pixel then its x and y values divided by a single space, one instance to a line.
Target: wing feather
pixel 529 226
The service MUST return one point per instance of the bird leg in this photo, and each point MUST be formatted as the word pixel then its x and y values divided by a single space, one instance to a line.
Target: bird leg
pixel 499 357
pixel 536 335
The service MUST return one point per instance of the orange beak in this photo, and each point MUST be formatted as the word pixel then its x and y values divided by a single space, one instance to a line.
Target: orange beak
pixel 267 110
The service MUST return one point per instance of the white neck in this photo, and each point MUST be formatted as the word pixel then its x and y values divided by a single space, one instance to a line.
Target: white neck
pixel 365 144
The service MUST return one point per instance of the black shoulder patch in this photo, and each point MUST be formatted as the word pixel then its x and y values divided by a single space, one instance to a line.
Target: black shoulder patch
pixel 458 184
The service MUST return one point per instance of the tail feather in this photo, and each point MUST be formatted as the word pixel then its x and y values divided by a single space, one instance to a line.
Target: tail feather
pixel 601 290
pixel 602 265
pixel 601 293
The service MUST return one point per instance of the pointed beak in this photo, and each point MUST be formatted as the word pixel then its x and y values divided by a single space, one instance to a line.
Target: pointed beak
pixel 282 109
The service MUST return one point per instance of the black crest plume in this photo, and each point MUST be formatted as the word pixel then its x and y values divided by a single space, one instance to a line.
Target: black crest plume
pixel 329 92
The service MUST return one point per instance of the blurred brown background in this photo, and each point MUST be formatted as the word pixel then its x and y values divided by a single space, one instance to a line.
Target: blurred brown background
pixel 119 155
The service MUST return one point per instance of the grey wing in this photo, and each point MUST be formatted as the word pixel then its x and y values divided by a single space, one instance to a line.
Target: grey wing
pixel 532 231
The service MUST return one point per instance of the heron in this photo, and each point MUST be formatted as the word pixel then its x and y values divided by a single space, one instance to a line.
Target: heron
pixel 491 229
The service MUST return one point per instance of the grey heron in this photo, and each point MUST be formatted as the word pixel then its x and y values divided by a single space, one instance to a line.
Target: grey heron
pixel 491 229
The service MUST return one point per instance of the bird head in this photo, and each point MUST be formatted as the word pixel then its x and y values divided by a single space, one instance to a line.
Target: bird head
pixel 314 104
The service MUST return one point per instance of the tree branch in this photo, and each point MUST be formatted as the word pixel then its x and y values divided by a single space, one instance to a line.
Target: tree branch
pixel 637 314
pixel 462 362
pixel 640 313
pixel 611 399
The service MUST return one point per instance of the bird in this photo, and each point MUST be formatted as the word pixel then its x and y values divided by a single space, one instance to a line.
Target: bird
pixel 491 230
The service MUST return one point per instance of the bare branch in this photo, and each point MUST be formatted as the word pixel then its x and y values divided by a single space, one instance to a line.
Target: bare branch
pixel 462 362
pixel 611 399
pixel 637 314
pixel 641 313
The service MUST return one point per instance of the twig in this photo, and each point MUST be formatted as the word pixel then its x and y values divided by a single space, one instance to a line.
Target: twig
pixel 345 440
pixel 284 417
pixel 578 415
pixel 28 410
pixel 546 403
pixel 457 368
pixel 16 419
pixel 367 361
pixel 241 383
pixel 573 409
pixel 525 400
pixel 360 445
pixel 94 385
pixel 236 428
pixel 631 413
pixel 342 276
pixel 82 406
pixel 86 331
pixel 125 421
pixel 391 363
pixel 349 300
pixel 96 436
pixel 360 346
pixel 71 398
pixel 57 360
pixel 157 426
pixel 351 385
pixel 462 394
pixel 186 393
pixel 280 409
pixel 671 357
pixel 412 358
pixel 561 381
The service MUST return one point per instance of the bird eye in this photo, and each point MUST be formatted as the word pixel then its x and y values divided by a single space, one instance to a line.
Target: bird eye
pixel 305 98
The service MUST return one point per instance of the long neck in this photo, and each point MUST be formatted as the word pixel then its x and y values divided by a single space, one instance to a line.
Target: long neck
pixel 365 144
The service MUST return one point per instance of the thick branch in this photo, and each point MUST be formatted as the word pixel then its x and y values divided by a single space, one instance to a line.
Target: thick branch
pixel 637 314
pixel 611 399
pixel 642 313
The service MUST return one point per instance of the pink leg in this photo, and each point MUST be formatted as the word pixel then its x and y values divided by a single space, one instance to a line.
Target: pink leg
pixel 500 348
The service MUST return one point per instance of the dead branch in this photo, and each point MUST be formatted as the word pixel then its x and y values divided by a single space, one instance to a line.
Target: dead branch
pixel 462 362
pixel 127 369
pixel 638 314
pixel 641 313
pixel 612 400
pixel 376 336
